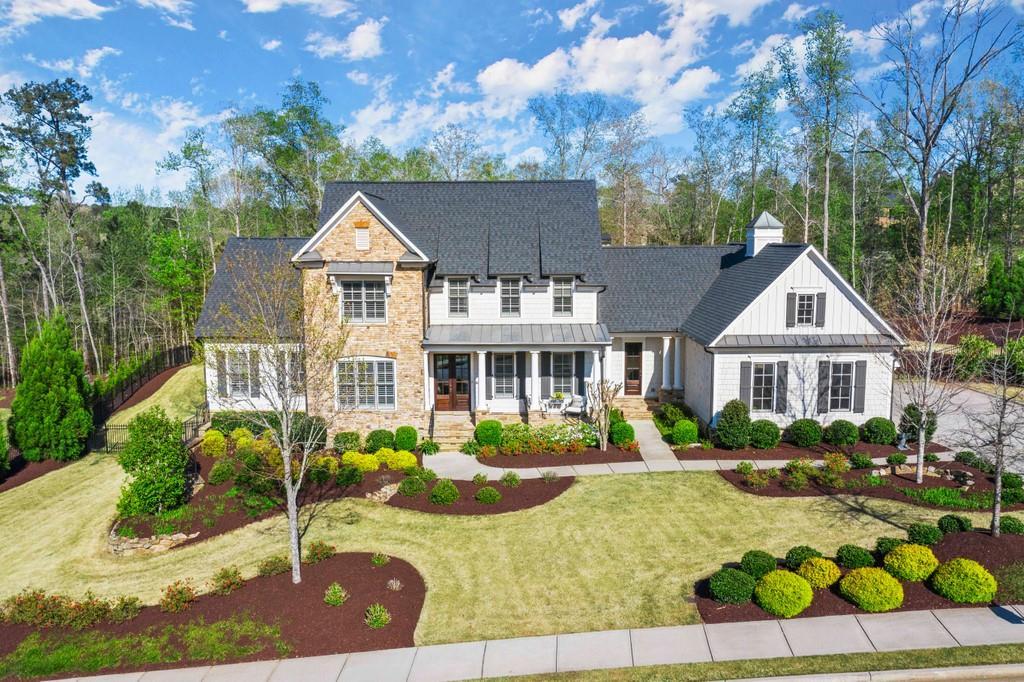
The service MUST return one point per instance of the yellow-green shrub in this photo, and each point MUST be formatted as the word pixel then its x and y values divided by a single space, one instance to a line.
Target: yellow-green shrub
pixel 820 573
pixel 360 461
pixel 783 594
pixel 328 463
pixel 872 590
pixel 911 562
pixel 240 433
pixel 397 460
pixel 214 444
pixel 964 581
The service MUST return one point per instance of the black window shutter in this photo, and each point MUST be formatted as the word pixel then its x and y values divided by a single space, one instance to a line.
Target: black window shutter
pixel 521 372
pixel 222 374
pixel 254 374
pixel 545 374
pixel 824 372
pixel 859 381
pixel 580 377
pixel 791 309
pixel 489 375
pixel 819 310
pixel 781 386
pixel 745 383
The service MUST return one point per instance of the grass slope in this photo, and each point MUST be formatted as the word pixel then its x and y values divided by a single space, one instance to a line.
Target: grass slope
pixel 178 397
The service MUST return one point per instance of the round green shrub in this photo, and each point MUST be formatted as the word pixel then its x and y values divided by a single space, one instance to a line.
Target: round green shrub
pixel 379 439
pixel 799 554
pixel 911 562
pixel 758 563
pixel 911 419
pixel 783 594
pixel 348 475
pixel 879 431
pixel 733 427
pixel 222 471
pixel 820 573
pixel 488 432
pixel 622 434
pixel 1011 525
pixel 730 586
pixel 972 354
pixel 954 523
pixel 805 433
pixel 412 486
pixel 841 432
pixel 872 590
pixel 896 459
pixel 684 432
pixel 488 495
pixel 885 545
pixel 964 581
pixel 852 556
pixel 406 438
pixel 214 444
pixel 764 434
pixel 347 441
pixel 860 460
pixel 1012 481
pixel 924 534
pixel 444 493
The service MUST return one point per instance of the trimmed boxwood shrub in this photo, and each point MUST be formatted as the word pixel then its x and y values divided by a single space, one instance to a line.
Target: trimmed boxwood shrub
pixel 841 432
pixel 348 475
pixel 444 493
pixel 344 441
pixel 731 586
pixel 488 432
pixel 879 431
pixel 799 554
pixel 1011 525
pixel 764 434
pixel 783 594
pixel 412 486
pixel 954 523
pixel 304 428
pixel 924 534
pixel 852 556
pixel 1012 481
pixel 758 563
pixel 912 417
pixel 380 439
pixel 872 590
pixel 964 581
pixel 684 432
pixel 820 573
pixel 221 472
pixel 805 433
pixel 406 438
pixel 860 460
pixel 733 426
pixel 622 434
pixel 911 562
pixel 214 444
pixel 885 545
pixel 488 495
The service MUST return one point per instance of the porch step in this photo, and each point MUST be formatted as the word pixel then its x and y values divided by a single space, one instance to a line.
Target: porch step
pixel 637 408
pixel 451 431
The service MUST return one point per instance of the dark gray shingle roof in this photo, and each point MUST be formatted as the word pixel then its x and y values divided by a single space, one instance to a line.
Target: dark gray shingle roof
pixel 239 271
pixel 488 229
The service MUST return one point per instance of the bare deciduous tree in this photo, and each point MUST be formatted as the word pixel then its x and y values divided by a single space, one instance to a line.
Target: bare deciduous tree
pixel 601 401
pixel 454 148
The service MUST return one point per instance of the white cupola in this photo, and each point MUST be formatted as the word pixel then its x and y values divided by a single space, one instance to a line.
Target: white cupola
pixel 763 230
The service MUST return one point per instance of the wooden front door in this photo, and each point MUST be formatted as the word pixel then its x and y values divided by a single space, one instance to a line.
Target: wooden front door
pixel 634 368
pixel 451 382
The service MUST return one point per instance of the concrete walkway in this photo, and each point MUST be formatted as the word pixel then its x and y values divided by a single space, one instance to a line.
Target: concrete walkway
pixel 652 447
pixel 826 635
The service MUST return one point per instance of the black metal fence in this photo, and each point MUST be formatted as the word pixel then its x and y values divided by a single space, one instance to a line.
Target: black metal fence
pixel 158 362
pixel 112 437
pixel 191 426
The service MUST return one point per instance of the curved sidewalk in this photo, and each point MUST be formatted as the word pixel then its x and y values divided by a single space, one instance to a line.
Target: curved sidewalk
pixel 611 649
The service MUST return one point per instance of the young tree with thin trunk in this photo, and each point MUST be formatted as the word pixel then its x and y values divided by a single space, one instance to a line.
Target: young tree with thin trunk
pixel 574 126
pixel 601 401
pixel 753 112
pixel 290 342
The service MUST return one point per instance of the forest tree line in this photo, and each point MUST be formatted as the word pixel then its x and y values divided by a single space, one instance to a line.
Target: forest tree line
pixel 878 171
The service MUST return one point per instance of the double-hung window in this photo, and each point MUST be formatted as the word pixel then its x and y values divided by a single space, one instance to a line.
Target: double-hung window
pixel 238 374
pixel 840 393
pixel 804 310
pixel 504 375
pixel 561 289
pixel 510 297
pixel 561 373
pixel 366 383
pixel 458 297
pixel 364 301
pixel 763 388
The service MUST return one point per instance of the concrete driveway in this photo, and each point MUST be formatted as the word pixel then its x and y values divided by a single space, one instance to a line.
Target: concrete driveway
pixel 954 426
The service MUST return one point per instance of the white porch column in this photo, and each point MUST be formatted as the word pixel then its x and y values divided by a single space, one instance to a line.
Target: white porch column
pixel 677 357
pixel 481 378
pixel 428 394
pixel 666 368
pixel 534 379
pixel 595 366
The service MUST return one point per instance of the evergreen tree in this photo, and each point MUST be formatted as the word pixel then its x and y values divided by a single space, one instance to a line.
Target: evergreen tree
pixel 997 294
pixel 52 412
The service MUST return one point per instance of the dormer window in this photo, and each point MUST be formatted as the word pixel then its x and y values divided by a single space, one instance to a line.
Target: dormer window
pixel 561 289
pixel 510 297
pixel 362 239
pixel 458 297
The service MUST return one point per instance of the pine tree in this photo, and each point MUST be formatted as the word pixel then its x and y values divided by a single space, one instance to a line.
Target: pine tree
pixel 996 291
pixel 52 410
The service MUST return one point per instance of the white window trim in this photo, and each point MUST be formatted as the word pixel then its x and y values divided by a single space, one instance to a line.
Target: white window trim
pixel 363 408
pixel 229 367
pixel 814 309
pixel 494 378
pixel 519 296
pixel 775 379
pixel 360 232
pixel 339 287
pixel 448 285
pixel 572 372
pixel 831 375
pixel 572 296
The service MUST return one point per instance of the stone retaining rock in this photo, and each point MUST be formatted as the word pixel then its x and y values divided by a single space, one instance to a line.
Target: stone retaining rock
pixel 384 494
pixel 152 545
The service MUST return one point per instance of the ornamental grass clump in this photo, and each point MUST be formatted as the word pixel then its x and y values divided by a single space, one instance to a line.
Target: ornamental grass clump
pixel 872 590
pixel 376 616
pixel 731 586
pixel 911 562
pixel 819 572
pixel 335 595
pixel 964 581
pixel 783 594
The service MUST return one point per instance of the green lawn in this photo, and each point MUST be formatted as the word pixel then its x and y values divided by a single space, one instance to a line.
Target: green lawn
pixel 179 397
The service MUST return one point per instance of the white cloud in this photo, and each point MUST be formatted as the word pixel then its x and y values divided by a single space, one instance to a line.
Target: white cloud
pixel 795 11
pixel 363 42
pixel 270 45
pixel 444 81
pixel 323 8
pixel 508 83
pixel 538 16
pixel 176 13
pixel 84 67
pixel 22 13
pixel 358 77
pixel 570 16
pixel 222 34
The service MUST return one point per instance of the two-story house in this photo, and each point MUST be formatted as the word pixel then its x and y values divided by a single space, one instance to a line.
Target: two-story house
pixel 472 298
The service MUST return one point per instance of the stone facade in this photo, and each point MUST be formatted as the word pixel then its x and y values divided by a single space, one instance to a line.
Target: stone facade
pixel 399 338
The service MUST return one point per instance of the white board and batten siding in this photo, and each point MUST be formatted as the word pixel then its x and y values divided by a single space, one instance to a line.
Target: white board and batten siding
pixel 536 306
pixel 698 375
pixel 265 358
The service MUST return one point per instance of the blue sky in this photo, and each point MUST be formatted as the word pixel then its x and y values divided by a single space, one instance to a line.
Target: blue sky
pixel 397 70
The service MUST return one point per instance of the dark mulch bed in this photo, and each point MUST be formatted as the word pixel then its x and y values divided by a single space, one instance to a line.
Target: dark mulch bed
pixel 529 493
pixel 21 471
pixel 889 491
pixel 149 388
pixel 308 625
pixel 788 451
pixel 588 456
pixel 992 329
pixel 978 545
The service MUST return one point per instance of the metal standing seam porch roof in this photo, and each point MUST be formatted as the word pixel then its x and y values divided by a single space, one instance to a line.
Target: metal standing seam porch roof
pixel 516 335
